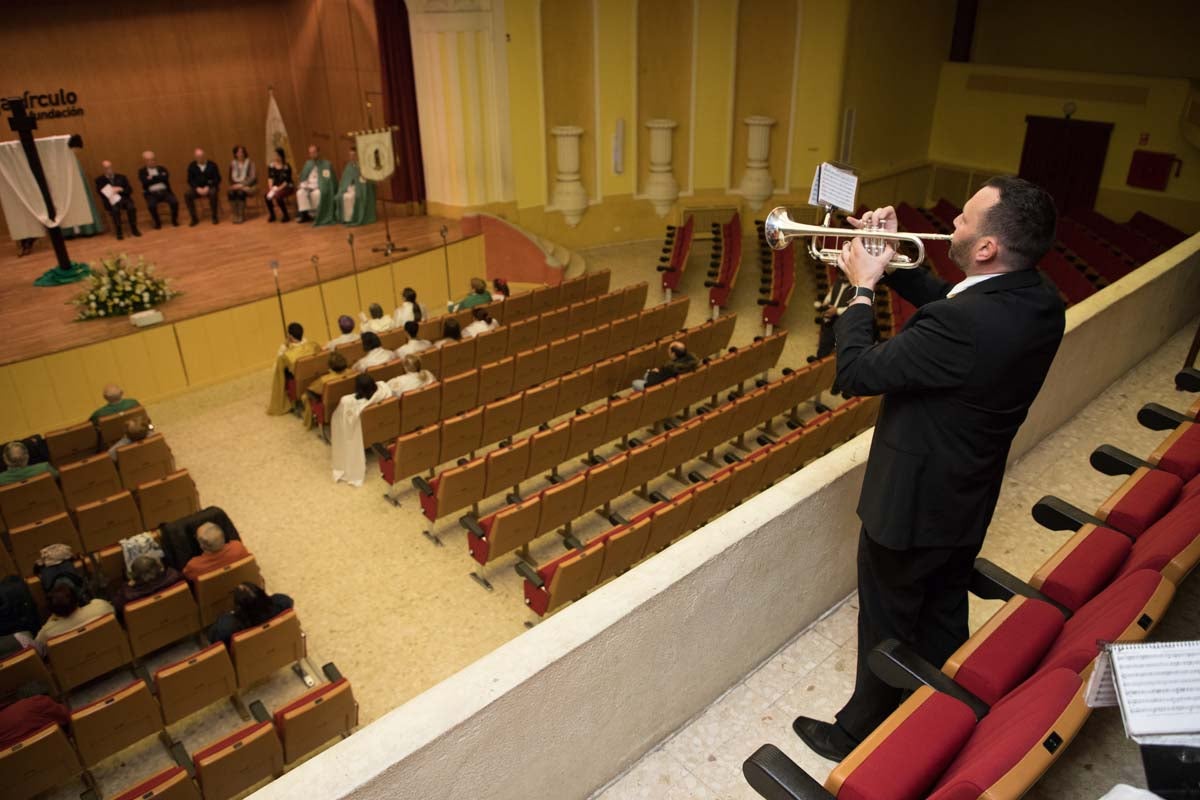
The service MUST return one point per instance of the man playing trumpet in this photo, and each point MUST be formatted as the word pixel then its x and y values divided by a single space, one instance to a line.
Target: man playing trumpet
pixel 957 383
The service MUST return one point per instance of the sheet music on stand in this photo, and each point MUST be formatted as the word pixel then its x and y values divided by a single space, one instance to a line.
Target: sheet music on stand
pixel 833 186
pixel 1156 685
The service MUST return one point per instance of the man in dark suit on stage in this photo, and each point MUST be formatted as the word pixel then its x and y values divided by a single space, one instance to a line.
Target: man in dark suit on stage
pixel 156 188
pixel 204 180
pixel 957 382
pixel 117 195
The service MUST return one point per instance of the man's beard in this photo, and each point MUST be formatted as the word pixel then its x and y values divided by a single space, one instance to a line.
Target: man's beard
pixel 960 251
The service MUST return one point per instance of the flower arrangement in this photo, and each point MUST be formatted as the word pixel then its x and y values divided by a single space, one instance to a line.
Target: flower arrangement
pixel 117 288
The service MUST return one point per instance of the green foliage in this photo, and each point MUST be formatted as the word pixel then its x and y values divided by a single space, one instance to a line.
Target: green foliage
pixel 117 288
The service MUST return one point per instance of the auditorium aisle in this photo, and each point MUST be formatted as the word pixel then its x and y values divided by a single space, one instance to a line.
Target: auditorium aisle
pixel 814 674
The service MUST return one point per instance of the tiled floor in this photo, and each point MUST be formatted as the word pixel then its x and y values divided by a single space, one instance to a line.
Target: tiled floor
pixel 814 674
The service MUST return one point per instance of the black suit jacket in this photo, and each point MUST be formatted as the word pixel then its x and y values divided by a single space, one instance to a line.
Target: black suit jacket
pixel 117 180
pixel 209 176
pixel 162 177
pixel 957 383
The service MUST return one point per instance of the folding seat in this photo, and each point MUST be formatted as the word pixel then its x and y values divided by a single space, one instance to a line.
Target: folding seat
pixel 563 580
pixel 161 619
pixel 380 422
pixel 816 438
pixel 232 765
pixel 719 376
pixel 501 419
pixel 651 323
pixel 167 499
pixel 623 416
pixel 539 404
pixel 461 435
pixel 708 499
pixel 385 372
pixel 453 490
pixel 214 590
pixel 316 718
pixel 118 720
pixel 27 541
pixel 546 298
pixel 722 332
pixel 353 350
pixel 594 344
pixel 747 412
pixel 147 460
pixel 332 394
pixel 658 404
pixel 1179 453
pixel 604 483
pixel 459 393
pixel 112 426
pixel 681 444
pixel 260 651
pixel 580 316
pixel 457 358
pixel 72 443
pixel 420 407
pixel 574 391
pixel 431 328
pixel 509 528
pixel 93 649
pixel 587 433
pixel 431 359
pixel 645 464
pixel 561 504
pixel 195 682
pixel 608 308
pixel 94 477
pixel 30 500
pixel 623 548
pixel 22 667
pixel 518 307
pixel 772 348
pixel 523 336
pixel 411 453
pixel 746 478
pixel 597 282
pixel 638 361
pixel 563 356
pixel 171 783
pixel 552 325
pixel 622 335
pixel 608 377
pixel 548 448
pixel 674 316
pixel 530 368
pixel 38 763
pixel 668 522
pixel 106 522
pixel 309 368
pixel 491 346
pixel 572 290
pixel 393 339
pixel 506 468
pixel 781 458
pixel 496 380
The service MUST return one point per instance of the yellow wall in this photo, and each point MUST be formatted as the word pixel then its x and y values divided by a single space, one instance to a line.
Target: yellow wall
pixel 568 74
pixel 766 55
pixel 664 80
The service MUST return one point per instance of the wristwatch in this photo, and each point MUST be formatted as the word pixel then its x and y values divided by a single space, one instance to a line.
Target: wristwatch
pixel 863 291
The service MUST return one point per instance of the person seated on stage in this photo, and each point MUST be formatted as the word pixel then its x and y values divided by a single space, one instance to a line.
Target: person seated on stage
pixel 414 377
pixel 295 348
pixel 414 344
pixel 136 430
pixel 375 353
pixel 156 188
pixel 279 185
pixel 681 361
pixel 315 190
pixel 17 467
pixel 346 326
pixel 242 180
pixel 252 606
pixel 483 322
pixel 117 195
pixel 337 368
pixel 409 310
pixel 67 613
pixel 478 295
pixel 115 402
pixel 500 290
pixel 356 195
pixel 377 323
pixel 204 181
pixel 451 332
pixel 215 552
pixel 147 575
pixel 25 710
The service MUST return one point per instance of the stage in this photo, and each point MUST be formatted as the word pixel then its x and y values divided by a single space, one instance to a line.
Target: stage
pixel 215 266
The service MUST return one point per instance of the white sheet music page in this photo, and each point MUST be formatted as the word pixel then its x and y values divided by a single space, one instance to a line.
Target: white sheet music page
pixel 837 187
pixel 1101 693
pixel 1158 686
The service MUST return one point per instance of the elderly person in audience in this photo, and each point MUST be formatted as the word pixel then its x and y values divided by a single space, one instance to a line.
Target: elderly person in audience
pixel 27 709
pixel 409 310
pixel 17 467
pixel 478 295
pixel 66 612
pixel 377 323
pixel 337 368
pixel 115 402
pixel 345 429
pixel 136 430
pixel 295 348
pixel 451 332
pixel 251 606
pixel 215 552
pixel 374 353
pixel 415 344
pixel 414 377
pixel 482 323
pixel 147 575
pixel 681 362
pixel 346 326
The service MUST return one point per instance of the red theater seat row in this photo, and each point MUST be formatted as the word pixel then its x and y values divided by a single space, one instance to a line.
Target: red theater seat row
pixel 672 269
pixel 730 262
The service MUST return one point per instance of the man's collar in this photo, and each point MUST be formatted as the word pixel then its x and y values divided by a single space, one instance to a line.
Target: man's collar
pixel 999 282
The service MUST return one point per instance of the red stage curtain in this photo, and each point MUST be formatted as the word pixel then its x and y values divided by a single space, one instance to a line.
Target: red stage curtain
pixel 400 99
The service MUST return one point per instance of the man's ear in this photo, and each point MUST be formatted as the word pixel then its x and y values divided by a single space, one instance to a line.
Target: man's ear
pixel 987 249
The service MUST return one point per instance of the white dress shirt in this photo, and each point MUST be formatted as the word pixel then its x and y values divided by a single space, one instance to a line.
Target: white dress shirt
pixel 380 355
pixel 967 283
pixel 345 338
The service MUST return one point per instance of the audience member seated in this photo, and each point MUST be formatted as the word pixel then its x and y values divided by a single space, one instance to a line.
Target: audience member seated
pixel 451 332
pixel 414 344
pixel 337 368
pixel 377 323
pixel 409 310
pixel 500 290
pixel 413 378
pixel 346 326
pixel 345 428
pixel 67 613
pixel 19 620
pixel 117 195
pixel 681 361
pixel 215 551
pixel 16 642
pixel 251 606
pixel 26 710
pixel 147 575
pixel 115 402
pixel 56 567
pixel 295 348
pixel 483 322
pixel 136 430
pixel 156 188
pixel 17 466
pixel 478 295
pixel 375 353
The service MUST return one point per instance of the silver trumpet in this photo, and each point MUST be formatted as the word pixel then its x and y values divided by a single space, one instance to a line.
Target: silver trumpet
pixel 779 230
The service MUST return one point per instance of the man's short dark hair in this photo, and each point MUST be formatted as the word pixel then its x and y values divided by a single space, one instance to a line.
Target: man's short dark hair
pixel 370 340
pixel 376 311
pixel 296 331
pixel 1023 219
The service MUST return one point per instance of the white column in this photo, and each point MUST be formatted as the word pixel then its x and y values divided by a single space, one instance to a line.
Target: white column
pixel 661 186
pixel 757 183
pixel 569 196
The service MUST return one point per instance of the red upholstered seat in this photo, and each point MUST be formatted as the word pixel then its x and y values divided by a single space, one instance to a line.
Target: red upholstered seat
pixel 1087 568
pixel 148 786
pixel 1008 652
pixel 304 699
pixel 221 744
pixel 1190 489
pixel 289 386
pixel 429 502
pixel 1183 456
pixel 1166 540
pixel 1145 501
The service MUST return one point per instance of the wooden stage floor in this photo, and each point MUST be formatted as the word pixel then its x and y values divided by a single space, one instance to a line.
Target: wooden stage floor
pixel 215 266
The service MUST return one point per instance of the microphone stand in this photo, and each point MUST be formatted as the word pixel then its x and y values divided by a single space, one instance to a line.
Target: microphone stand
pixel 446 257
pixel 279 297
pixel 321 291
pixel 354 266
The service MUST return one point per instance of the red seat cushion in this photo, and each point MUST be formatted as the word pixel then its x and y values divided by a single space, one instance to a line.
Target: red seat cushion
pixel 150 784
pixel 1011 652
pixel 1146 502
pixel 905 764
pixel 429 502
pixel 1183 457
pixel 1088 568
pixel 1190 489
pixel 1166 538
pixel 1013 728
pixel 307 697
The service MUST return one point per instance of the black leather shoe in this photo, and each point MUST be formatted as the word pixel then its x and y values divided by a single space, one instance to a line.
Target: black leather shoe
pixel 825 739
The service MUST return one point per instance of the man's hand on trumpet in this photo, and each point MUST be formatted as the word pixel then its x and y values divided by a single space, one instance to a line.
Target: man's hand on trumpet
pixel 881 218
pixel 861 268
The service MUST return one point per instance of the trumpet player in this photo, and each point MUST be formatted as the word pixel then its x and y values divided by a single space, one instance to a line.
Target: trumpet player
pixel 957 383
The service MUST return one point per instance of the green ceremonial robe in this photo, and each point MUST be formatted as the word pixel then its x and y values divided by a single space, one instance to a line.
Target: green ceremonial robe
pixel 363 212
pixel 124 404
pixel 326 181
pixel 97 225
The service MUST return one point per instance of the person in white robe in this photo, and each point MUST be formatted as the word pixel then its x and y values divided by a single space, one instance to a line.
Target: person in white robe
pixel 377 322
pixel 414 377
pixel 482 323
pixel 349 460
pixel 415 344
pixel 409 310
pixel 346 326
pixel 376 353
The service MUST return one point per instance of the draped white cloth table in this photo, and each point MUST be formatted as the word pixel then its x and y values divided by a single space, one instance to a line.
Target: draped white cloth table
pixel 21 199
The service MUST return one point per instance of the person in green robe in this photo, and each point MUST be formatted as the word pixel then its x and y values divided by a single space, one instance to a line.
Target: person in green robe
pixel 316 193
pixel 356 195
pixel 17 467
pixel 478 296
pixel 115 402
